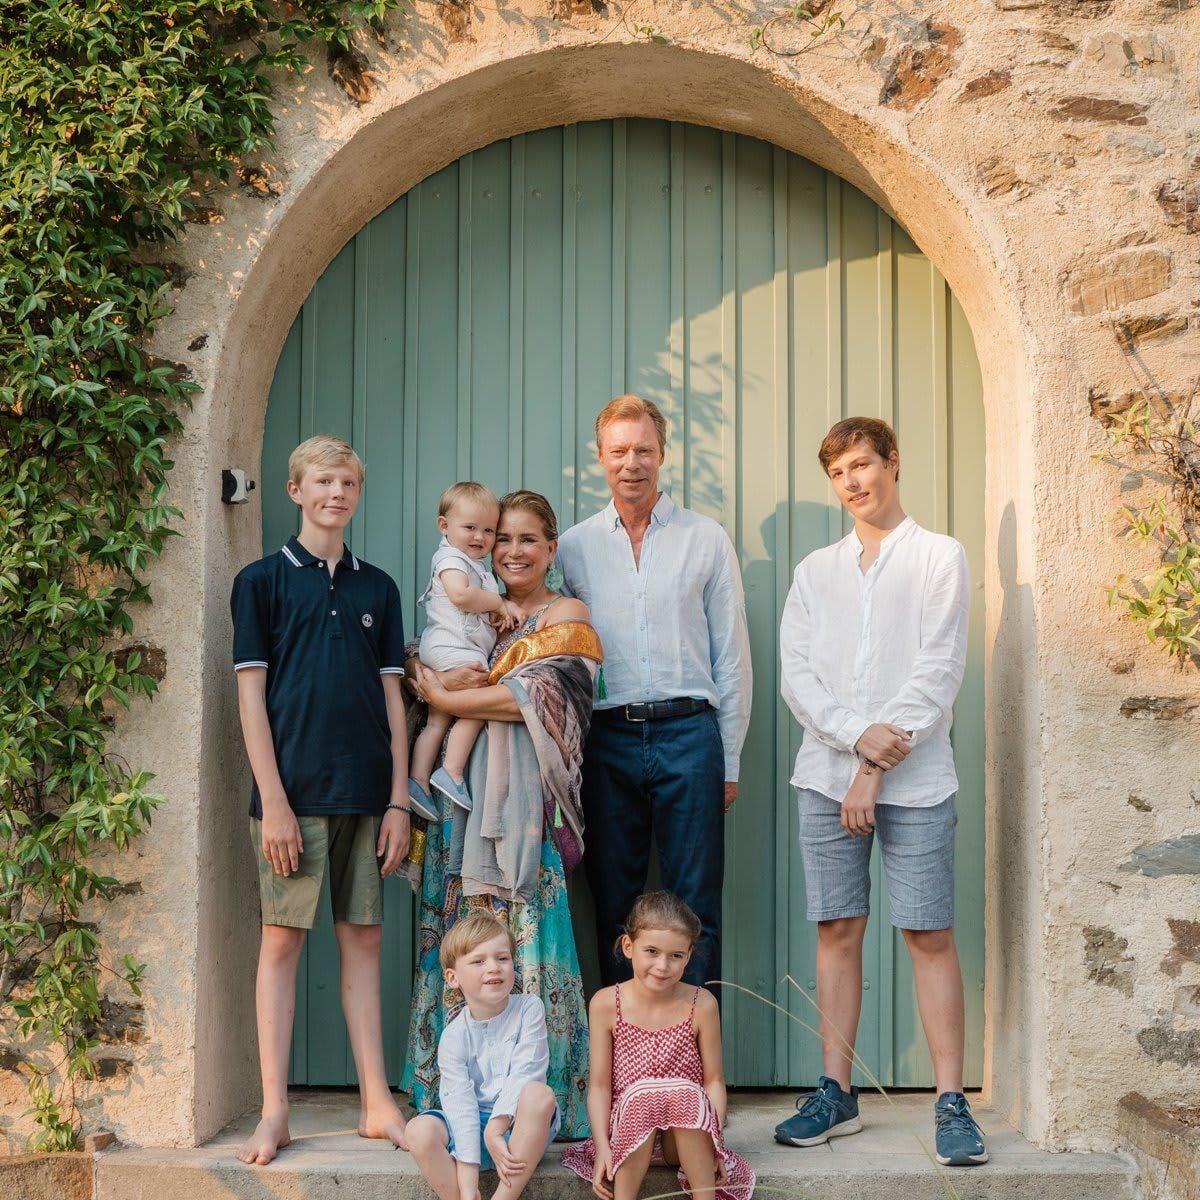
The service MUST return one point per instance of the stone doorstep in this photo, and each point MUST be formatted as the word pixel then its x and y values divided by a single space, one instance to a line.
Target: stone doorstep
pixel 328 1161
pixel 65 1176
pixel 1166 1151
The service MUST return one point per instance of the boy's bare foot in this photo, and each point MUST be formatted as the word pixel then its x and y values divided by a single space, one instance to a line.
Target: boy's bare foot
pixel 269 1137
pixel 385 1123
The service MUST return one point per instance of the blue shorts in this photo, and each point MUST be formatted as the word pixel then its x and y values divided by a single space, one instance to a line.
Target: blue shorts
pixel 486 1163
pixel 917 849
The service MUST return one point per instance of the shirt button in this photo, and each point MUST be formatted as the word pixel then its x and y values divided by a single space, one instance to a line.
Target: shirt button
pixel 333 612
pixel 320 564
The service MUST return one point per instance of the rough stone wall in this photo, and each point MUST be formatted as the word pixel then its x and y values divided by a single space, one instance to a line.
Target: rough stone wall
pixel 1045 154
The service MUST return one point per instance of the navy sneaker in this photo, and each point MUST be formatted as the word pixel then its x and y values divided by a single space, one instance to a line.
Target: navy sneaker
pixel 957 1137
pixel 828 1112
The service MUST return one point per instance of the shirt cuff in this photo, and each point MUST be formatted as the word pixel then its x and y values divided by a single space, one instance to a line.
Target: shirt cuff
pixel 852 729
pixel 391 670
pixel 733 766
pixel 250 662
pixel 467 1148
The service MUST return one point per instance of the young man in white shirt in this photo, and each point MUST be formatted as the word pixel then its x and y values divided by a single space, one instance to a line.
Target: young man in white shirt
pixel 873 646
pixel 498 1113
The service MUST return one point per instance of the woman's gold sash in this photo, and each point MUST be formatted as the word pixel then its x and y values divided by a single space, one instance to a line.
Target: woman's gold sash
pixel 567 637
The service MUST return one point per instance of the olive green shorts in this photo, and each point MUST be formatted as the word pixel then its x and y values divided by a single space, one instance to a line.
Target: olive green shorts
pixel 345 842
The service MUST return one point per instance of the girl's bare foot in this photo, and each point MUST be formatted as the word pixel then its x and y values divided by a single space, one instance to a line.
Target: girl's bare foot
pixel 269 1137
pixel 384 1122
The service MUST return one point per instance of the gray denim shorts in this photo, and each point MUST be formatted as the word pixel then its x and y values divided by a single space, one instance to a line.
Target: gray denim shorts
pixel 917 848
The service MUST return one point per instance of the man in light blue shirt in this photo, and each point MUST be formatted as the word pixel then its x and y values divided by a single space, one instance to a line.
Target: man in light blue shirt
pixel 665 592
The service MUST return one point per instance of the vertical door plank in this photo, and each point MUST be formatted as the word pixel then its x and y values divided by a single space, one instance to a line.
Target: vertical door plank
pixel 597 329
pixel 516 315
pixel 388 529
pixel 433 457
pixel 860 251
pixel 703 307
pixel 543 271
pixel 567 331
pixel 358 377
pixel 648 267
pixel 620 148
pixel 724 450
pixel 779 550
pixel 836 351
pixel 464 468
pixel 750 507
pixel 281 435
pixel 675 474
pixel 488 345
pixel 815 403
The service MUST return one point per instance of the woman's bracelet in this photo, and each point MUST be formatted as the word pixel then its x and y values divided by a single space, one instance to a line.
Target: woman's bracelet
pixel 398 808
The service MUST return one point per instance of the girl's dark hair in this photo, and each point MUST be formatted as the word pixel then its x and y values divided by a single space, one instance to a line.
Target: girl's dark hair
pixel 661 910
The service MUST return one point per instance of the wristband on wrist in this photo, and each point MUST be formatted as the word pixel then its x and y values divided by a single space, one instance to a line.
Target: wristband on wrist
pixel 398 808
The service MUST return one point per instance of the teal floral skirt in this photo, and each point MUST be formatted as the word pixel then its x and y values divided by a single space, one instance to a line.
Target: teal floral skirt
pixel 547 965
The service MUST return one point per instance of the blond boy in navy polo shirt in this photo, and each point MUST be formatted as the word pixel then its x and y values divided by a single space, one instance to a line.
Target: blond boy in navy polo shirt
pixel 318 648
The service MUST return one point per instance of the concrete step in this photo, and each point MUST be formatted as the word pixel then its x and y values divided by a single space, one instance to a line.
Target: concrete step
pixel 328 1161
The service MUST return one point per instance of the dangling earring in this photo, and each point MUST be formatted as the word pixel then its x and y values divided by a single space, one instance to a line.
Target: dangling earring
pixel 554 577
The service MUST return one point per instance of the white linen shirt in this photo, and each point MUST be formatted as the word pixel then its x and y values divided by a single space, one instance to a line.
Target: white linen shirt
pixel 672 625
pixel 485 1064
pixel 888 646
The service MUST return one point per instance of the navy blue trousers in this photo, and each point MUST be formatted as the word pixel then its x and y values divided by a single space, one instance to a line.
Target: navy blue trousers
pixel 666 778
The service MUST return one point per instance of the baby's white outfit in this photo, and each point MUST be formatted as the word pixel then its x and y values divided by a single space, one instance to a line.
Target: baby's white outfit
pixel 453 638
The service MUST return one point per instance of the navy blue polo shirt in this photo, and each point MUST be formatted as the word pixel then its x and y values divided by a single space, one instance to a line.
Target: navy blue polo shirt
pixel 326 642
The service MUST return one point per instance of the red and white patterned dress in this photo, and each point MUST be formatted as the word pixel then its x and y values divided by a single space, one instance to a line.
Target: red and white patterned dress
pixel 657 1084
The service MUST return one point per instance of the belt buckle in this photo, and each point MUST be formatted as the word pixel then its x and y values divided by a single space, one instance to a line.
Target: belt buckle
pixel 630 717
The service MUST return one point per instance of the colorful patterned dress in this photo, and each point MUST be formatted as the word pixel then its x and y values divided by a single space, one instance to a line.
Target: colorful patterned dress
pixel 547 964
pixel 657 1084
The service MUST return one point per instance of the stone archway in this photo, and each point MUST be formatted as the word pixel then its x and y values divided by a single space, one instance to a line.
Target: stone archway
pixel 253 270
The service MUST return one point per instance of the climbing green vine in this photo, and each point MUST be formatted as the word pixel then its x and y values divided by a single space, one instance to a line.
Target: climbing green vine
pixel 1156 443
pixel 110 110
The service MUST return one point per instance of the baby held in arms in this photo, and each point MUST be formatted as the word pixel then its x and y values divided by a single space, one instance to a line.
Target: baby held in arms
pixel 463 610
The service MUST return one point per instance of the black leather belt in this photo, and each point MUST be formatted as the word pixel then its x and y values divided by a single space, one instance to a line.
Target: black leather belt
pixel 657 710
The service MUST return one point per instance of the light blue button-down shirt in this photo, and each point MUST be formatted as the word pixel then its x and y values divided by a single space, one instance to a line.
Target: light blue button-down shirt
pixel 485 1064
pixel 673 625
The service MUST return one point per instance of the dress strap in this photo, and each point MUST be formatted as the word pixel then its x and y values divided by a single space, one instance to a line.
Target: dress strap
pixel 531 623
pixel 617 990
pixel 695 997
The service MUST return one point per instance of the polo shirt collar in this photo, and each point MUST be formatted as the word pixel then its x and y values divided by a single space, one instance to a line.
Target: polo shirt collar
pixel 661 514
pixel 298 556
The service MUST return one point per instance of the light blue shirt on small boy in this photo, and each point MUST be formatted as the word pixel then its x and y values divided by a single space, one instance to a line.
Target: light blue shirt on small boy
pixel 484 1065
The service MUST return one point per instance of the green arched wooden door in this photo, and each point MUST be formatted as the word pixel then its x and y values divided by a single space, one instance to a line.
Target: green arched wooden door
pixel 475 328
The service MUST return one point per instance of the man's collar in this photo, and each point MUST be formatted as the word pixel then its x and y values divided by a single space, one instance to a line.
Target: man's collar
pixel 298 556
pixel 660 514
pixel 891 538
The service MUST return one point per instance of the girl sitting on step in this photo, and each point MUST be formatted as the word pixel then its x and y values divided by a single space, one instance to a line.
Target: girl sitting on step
pixel 656 1088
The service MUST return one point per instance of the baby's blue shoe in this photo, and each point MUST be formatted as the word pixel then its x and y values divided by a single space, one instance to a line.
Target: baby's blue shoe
pixel 421 802
pixel 828 1112
pixel 957 1136
pixel 457 792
